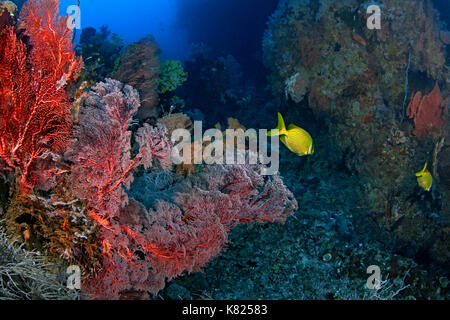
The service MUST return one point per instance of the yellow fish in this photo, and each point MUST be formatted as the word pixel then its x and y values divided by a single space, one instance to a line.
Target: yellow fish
pixel 424 178
pixel 294 138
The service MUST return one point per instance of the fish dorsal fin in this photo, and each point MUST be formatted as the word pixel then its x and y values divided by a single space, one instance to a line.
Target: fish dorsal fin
pixel 281 126
pixel 420 173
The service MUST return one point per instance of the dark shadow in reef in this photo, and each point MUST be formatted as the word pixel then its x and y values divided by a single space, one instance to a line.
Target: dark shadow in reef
pixel 444 10
pixel 230 27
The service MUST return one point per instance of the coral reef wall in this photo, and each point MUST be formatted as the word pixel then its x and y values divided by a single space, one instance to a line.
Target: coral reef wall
pixel 322 55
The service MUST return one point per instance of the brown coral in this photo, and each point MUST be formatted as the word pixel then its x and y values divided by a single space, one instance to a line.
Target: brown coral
pixel 176 121
pixel 139 68
pixel 189 168
pixel 58 226
pixel 79 98
pixel 359 39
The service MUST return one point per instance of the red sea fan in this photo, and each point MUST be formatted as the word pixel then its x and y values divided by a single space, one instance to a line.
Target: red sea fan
pixel 101 152
pixel 51 40
pixel 144 249
pixel 427 113
pixel 148 248
pixel 35 109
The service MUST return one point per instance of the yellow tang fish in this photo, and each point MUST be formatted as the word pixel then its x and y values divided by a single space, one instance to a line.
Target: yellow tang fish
pixel 424 178
pixel 294 138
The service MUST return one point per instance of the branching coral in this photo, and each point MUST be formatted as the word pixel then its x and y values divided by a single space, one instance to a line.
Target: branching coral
pixel 35 108
pixel 101 155
pixel 150 247
pixel 87 218
pixel 101 152
pixel 140 249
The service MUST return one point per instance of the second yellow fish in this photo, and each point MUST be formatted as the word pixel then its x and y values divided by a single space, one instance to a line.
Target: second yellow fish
pixel 424 178
pixel 294 138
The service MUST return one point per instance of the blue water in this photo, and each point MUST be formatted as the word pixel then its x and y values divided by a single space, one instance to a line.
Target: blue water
pixel 133 20
pixel 230 27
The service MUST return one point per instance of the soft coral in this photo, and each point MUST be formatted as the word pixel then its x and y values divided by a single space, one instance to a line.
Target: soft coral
pixel 101 153
pixel 427 113
pixel 35 123
pixel 147 248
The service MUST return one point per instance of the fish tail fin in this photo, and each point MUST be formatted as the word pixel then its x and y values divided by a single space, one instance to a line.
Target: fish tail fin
pixel 281 128
pixel 420 173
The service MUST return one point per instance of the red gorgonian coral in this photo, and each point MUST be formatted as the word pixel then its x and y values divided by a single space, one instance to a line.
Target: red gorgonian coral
pixel 144 249
pixel 427 113
pixel 101 152
pixel 35 118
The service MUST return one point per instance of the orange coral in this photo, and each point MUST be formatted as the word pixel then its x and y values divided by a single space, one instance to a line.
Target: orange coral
pixel 359 39
pixel 234 124
pixel 176 121
pixel 80 97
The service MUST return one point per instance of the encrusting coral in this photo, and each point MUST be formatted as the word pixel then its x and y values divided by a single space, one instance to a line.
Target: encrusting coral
pixel 58 226
pixel 191 230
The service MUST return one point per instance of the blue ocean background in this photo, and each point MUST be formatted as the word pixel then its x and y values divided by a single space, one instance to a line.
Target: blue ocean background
pixel 133 20
pixel 232 26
